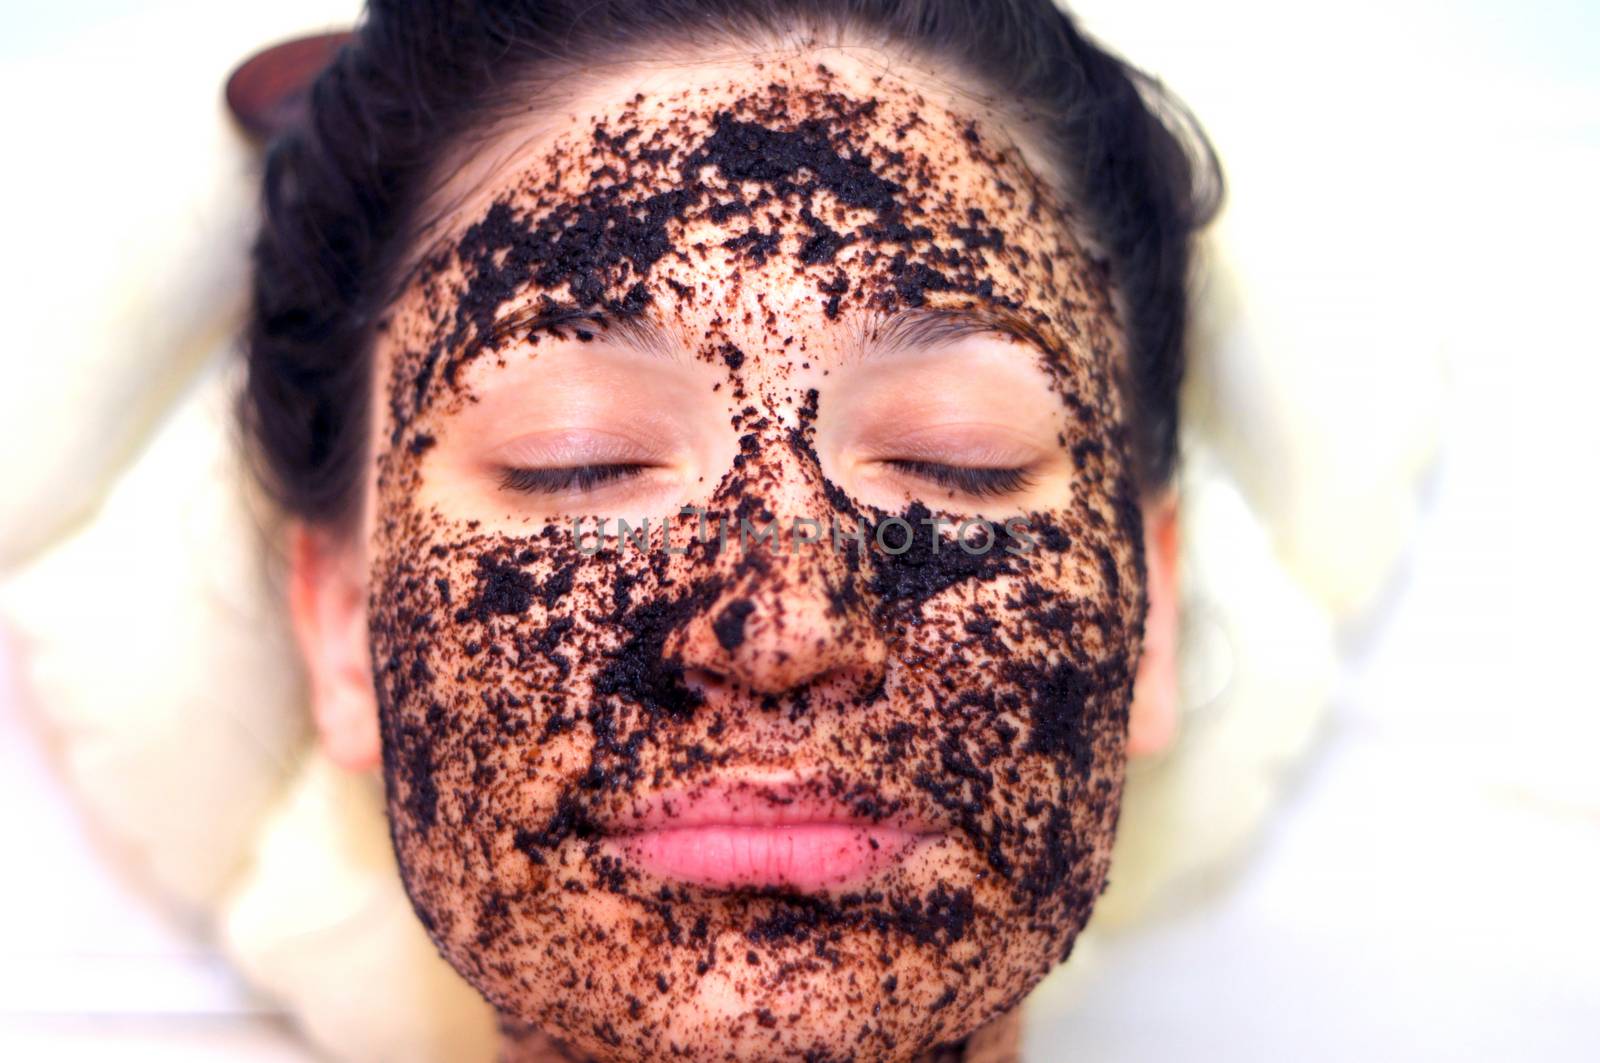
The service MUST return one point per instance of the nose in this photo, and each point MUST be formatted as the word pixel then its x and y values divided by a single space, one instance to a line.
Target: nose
pixel 793 610
pixel 781 631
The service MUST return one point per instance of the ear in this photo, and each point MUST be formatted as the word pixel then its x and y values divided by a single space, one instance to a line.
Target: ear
pixel 328 608
pixel 1153 717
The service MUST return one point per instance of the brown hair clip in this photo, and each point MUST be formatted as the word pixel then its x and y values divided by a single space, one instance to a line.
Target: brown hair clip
pixel 267 91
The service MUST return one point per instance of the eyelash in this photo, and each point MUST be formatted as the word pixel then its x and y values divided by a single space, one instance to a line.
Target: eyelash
pixel 970 480
pixel 565 478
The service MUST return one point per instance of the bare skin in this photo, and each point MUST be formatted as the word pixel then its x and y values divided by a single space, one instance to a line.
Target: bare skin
pixel 781 289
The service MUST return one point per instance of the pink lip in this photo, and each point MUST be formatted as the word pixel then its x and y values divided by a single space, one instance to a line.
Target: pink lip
pixel 750 834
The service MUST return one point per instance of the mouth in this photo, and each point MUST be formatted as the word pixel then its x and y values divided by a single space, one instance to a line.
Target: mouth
pixel 766 833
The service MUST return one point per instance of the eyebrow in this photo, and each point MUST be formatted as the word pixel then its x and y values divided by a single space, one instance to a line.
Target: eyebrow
pixel 632 330
pixel 872 334
pixel 879 335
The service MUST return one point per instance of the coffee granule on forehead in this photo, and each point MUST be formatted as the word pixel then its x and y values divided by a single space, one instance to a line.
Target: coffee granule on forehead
pixel 747 151
pixel 600 248
pixel 823 244
pixel 756 244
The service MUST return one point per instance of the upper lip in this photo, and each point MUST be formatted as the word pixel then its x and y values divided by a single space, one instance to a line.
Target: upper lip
pixel 768 800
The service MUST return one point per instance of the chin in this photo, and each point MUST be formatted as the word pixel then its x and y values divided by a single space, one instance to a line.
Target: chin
pixel 763 976
pixel 805 1013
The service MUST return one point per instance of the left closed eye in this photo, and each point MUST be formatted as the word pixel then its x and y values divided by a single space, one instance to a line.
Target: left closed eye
pixel 566 478
pixel 977 481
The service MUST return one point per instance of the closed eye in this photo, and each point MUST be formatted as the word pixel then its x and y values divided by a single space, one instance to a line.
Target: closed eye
pixel 977 481
pixel 566 478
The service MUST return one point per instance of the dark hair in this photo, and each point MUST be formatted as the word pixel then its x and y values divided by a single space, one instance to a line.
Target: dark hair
pixel 343 183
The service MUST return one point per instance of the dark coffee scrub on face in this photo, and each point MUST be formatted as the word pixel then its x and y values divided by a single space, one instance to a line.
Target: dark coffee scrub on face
pixel 755 561
pixel 969 707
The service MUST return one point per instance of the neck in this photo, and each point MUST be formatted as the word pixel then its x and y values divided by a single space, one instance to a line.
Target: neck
pixel 998 1042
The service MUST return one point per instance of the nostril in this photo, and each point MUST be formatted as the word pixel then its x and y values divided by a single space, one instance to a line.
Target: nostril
pixel 703 680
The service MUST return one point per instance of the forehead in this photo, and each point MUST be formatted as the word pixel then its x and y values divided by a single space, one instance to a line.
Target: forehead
pixel 639 119
pixel 739 202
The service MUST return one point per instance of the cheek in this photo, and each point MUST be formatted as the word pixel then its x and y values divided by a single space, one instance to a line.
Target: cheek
pixel 487 648
pixel 1028 676
pixel 488 653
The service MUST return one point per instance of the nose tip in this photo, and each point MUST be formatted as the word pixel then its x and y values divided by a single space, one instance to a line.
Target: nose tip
pixel 791 611
pixel 774 642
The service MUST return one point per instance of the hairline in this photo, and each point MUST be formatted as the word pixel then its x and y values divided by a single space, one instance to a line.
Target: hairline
pixel 436 218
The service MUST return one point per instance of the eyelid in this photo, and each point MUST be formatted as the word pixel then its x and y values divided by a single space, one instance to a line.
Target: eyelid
pixel 958 457
pixel 573 447
pixel 963 444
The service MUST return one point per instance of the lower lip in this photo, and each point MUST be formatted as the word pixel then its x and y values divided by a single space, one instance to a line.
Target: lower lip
pixel 801 856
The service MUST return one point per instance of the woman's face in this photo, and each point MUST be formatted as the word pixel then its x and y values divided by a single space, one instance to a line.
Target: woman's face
pixel 821 795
